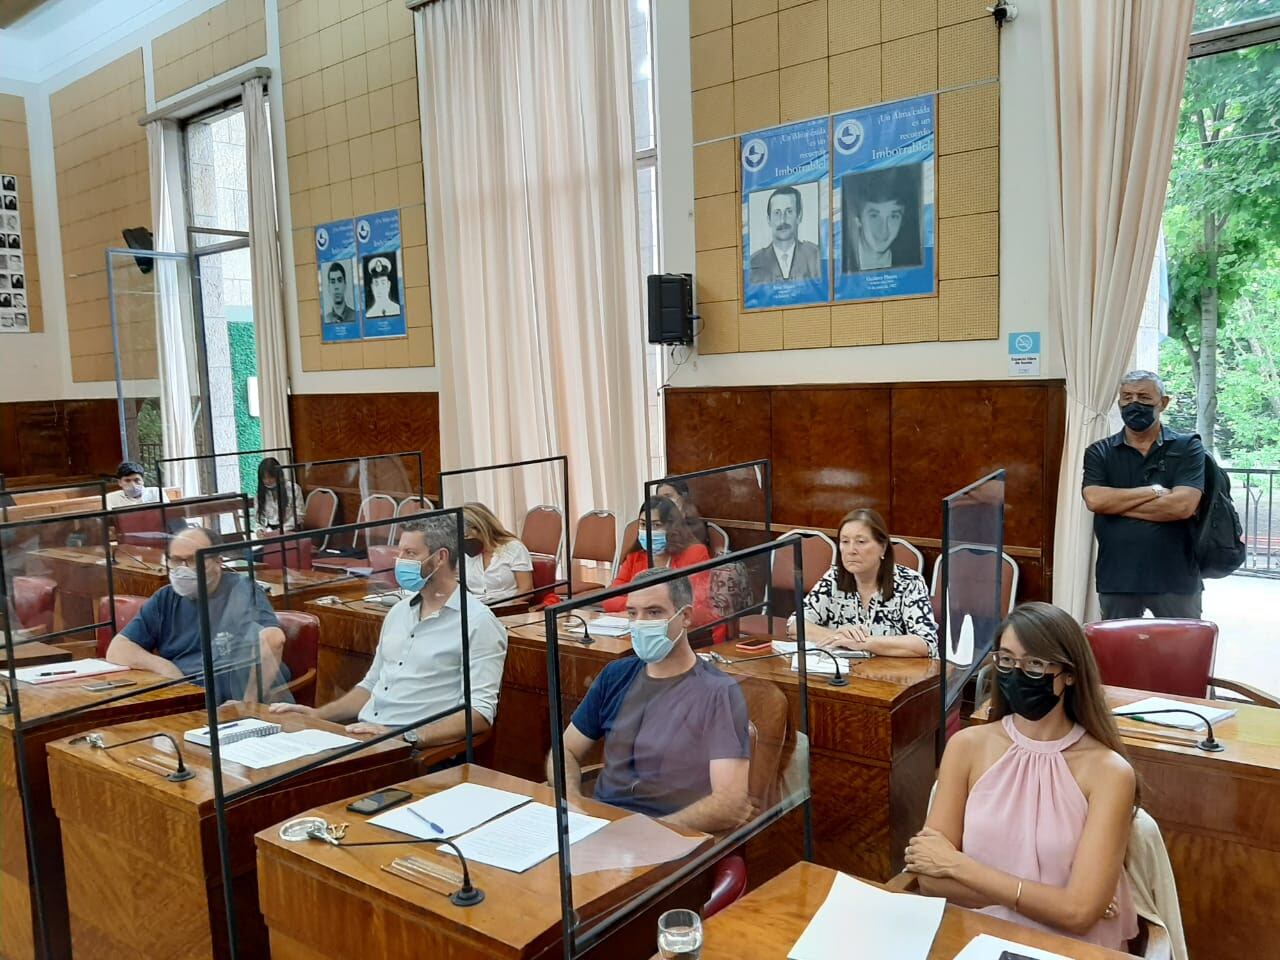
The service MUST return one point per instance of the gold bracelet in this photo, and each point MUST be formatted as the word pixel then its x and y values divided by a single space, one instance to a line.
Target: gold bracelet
pixel 1017 897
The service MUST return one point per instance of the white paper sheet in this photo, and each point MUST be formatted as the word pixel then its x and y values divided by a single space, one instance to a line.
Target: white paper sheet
pixel 986 947
pixel 609 627
pixel 886 926
pixel 1182 720
pixel 523 838
pixel 70 670
pixel 259 752
pixel 455 811
pixel 627 844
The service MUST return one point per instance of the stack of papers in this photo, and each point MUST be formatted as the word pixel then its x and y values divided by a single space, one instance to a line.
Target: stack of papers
pixel 1183 720
pixel 610 627
pixel 887 926
pixel 986 947
pixel 455 811
pixel 259 752
pixel 523 838
pixel 70 670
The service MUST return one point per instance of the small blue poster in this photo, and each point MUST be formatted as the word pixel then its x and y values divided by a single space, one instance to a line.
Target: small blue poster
pixel 883 201
pixel 336 271
pixel 785 215
pixel 378 237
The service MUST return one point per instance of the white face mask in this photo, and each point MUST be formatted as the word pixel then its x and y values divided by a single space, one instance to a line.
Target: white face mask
pixel 184 581
pixel 133 492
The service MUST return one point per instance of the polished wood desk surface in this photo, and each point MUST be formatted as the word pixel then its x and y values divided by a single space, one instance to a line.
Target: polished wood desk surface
pixel 199 791
pixel 312 892
pixel 38 705
pixel 33 653
pixel 766 923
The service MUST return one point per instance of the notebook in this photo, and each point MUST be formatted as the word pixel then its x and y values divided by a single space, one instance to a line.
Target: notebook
pixel 233 731
pixel 70 670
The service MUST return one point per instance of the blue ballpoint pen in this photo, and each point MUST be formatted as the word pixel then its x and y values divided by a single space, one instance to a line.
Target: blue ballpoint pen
pixel 430 823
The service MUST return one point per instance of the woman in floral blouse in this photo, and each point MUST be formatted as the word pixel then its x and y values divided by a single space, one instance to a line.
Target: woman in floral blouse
pixel 867 601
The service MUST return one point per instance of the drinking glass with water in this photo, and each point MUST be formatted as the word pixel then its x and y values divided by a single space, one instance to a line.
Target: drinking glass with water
pixel 680 935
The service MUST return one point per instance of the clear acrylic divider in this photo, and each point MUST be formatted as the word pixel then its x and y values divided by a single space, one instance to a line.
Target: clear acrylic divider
pixel 527 500
pixel 970 603
pixel 347 492
pixel 723 508
pixel 676 756
pixel 234 472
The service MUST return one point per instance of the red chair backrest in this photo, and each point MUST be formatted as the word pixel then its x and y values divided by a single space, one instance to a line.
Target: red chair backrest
pixel 376 506
pixel 544 574
pixel 1163 656
pixel 301 641
pixel 140 521
pixel 543 530
pixel 321 509
pixel 817 554
pixel 296 555
pixel 906 555
pixel 596 537
pixel 34 600
pixel 719 540
pixel 382 566
pixel 127 608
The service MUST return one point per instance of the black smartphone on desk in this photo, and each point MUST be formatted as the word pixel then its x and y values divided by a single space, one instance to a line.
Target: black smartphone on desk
pixel 377 802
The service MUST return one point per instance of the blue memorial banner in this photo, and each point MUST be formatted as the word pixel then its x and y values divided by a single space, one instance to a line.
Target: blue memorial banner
pixel 883 201
pixel 786 215
pixel 336 271
pixel 378 239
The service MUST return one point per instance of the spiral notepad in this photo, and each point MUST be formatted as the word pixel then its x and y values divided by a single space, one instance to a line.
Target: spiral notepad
pixel 233 731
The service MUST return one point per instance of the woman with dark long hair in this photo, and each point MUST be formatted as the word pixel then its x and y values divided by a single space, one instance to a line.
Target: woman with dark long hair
pixel 663 527
pixel 1033 811
pixel 278 506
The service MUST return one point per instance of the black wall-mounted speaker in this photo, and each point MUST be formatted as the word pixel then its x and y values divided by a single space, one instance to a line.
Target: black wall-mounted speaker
pixel 671 308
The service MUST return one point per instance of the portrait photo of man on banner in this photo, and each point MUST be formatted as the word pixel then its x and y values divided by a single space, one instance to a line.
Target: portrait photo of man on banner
pixel 336 271
pixel 883 198
pixel 785 216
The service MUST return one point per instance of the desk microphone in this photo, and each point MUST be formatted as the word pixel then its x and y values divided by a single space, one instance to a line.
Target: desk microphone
pixel 587 640
pixel 465 896
pixel 1209 744
pixel 839 680
pixel 145 564
pixel 178 776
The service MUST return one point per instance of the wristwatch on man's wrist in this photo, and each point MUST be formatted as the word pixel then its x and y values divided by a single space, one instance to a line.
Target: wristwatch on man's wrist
pixel 1158 490
pixel 411 737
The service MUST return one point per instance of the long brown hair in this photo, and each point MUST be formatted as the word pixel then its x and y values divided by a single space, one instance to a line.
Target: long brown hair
pixel 668 514
pixel 1052 634
pixel 880 533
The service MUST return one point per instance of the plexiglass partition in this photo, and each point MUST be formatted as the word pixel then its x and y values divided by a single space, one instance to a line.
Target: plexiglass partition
pixel 672 759
pixel 506 506
pixel 239 471
pixel 351 491
pixel 26 503
pixel 724 508
pixel 974 587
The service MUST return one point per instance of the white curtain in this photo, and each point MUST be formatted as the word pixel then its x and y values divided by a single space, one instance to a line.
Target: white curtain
pixel 268 281
pixel 1114 86
pixel 533 245
pixel 174 314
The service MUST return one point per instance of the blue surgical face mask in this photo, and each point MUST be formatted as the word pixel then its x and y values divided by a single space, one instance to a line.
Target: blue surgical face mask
pixel 649 638
pixel 409 575
pixel 659 538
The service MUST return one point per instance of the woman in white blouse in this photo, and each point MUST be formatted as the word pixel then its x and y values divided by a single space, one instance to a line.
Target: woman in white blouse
pixel 498 564
pixel 279 503
pixel 867 601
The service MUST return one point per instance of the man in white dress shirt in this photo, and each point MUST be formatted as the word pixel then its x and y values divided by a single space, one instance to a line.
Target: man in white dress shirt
pixel 133 488
pixel 417 669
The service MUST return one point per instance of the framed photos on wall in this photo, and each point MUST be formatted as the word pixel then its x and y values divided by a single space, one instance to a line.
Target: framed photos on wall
pixel 360 273
pixel 14 314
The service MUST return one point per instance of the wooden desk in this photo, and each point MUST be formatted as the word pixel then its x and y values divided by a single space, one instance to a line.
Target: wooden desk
pixel 322 902
pixel 143 869
pixel 33 654
pixel 766 923
pixel 1220 817
pixel 17 917
pixel 871 763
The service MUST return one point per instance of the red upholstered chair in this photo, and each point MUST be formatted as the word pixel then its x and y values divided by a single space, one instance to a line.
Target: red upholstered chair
pixel 626 543
pixel 544 575
pixel 382 566
pixel 718 538
pixel 595 541
pixel 543 530
pixel 34 601
pixel 320 511
pixel 126 608
pixel 817 555
pixel 1163 656
pixel 728 885
pixel 376 506
pixel 141 527
pixel 408 507
pixel 906 555
pixel 301 652
pixel 296 555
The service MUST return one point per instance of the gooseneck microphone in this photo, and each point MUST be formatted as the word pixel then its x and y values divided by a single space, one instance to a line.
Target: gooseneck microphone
pixel 118 550
pixel 839 680
pixel 179 775
pixel 465 896
pixel 1209 744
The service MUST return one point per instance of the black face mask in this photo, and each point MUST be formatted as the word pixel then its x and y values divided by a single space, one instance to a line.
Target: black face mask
pixel 1029 697
pixel 1138 416
pixel 472 547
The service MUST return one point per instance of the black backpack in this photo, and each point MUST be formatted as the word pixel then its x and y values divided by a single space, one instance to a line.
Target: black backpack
pixel 1219 536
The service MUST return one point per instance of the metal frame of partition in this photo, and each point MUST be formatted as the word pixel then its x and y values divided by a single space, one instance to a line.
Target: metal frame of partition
pixel 215 457
pixel 945 612
pixel 567 546
pixel 221 800
pixel 573 948
pixel 101 490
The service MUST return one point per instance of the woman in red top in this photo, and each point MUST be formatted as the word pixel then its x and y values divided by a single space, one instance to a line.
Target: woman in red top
pixel 673 547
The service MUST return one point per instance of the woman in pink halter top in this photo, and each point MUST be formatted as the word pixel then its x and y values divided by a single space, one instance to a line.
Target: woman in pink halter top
pixel 1032 813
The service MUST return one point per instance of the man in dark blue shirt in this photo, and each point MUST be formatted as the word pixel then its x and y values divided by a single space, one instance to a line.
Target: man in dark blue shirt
pixel 675 729
pixel 1143 485
pixel 165 635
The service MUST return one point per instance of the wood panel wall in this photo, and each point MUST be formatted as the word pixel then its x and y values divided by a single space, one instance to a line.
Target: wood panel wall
pixel 61 438
pixel 363 425
pixel 898 448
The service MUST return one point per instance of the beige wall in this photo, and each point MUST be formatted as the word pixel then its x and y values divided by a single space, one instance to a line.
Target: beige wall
pixel 354 146
pixel 221 39
pixel 15 160
pixel 100 157
pixel 759 63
